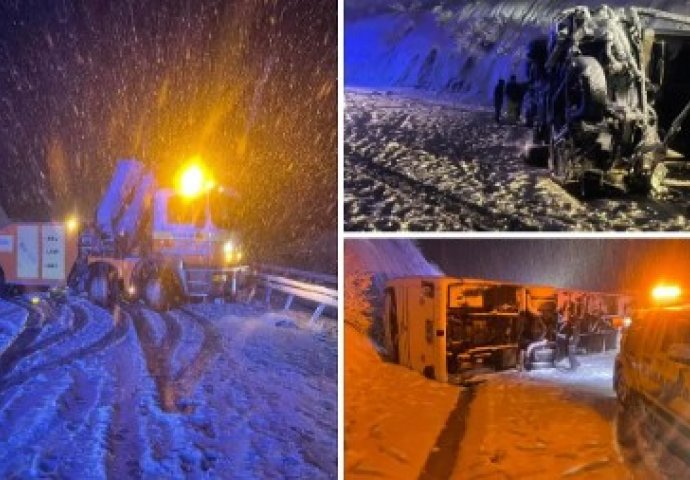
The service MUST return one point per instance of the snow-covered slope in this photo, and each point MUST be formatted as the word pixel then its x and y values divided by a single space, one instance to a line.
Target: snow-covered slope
pixel 464 48
pixel 384 402
pixel 368 265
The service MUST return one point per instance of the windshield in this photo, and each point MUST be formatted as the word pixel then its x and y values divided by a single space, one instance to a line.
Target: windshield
pixel 186 212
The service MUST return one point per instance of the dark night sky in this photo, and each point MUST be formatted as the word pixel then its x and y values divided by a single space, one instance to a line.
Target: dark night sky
pixel 250 85
pixel 630 265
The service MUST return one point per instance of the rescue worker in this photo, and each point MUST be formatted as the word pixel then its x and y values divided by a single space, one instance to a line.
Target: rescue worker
pixel 499 92
pixel 568 337
pixel 513 94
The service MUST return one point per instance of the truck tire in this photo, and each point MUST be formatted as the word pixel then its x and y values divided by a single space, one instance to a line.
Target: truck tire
pixel 162 291
pixel 102 285
pixel 3 284
pixel 587 90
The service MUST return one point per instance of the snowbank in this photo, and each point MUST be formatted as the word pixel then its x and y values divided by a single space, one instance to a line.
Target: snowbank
pixel 368 265
pixel 463 49
pixel 392 414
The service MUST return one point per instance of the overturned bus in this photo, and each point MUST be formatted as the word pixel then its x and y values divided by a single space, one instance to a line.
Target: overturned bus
pixel 446 327
pixel 608 100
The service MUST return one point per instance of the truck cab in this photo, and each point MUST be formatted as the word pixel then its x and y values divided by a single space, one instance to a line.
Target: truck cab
pixel 161 244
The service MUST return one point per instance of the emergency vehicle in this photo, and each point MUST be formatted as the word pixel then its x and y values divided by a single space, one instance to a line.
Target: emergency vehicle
pixel 652 370
pixel 149 242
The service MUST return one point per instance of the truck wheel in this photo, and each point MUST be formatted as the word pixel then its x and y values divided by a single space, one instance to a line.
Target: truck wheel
pixel 587 90
pixel 3 284
pixel 102 285
pixel 162 291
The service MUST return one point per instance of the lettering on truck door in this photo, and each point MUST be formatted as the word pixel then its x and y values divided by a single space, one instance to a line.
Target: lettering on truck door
pixel 27 252
pixel 53 258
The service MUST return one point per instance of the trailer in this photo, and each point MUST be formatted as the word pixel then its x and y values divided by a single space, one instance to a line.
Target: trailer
pixel 448 328
pixel 36 255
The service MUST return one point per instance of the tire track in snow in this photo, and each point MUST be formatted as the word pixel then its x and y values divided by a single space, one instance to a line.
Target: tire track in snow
pixel 174 388
pixel 16 350
pixel 80 321
pixel 187 379
pixel 158 358
pixel 449 201
pixel 109 339
pixel 125 442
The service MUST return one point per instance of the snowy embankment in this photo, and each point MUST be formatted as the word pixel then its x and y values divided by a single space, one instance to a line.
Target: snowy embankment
pixel 200 392
pixel 393 415
pixel 463 48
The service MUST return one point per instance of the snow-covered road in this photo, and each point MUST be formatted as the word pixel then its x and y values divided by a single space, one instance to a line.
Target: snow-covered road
pixel 421 163
pixel 550 423
pixel 205 391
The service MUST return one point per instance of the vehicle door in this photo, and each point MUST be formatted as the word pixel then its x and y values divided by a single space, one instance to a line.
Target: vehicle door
pixel 421 315
pixel 641 346
pixel 673 364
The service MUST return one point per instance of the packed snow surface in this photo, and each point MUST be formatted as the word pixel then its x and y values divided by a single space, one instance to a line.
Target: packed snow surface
pixel 205 391
pixel 421 162
pixel 392 415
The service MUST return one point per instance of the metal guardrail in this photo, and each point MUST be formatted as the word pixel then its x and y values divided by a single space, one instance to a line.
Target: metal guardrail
pixel 295 274
pixel 316 288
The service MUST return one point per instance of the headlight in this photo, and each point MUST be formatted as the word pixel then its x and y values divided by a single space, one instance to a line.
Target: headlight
pixel 231 252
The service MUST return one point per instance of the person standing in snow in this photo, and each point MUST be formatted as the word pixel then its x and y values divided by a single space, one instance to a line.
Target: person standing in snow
pixel 568 337
pixel 499 91
pixel 513 93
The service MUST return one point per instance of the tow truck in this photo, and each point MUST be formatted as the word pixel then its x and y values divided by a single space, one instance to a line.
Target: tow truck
pixel 149 242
